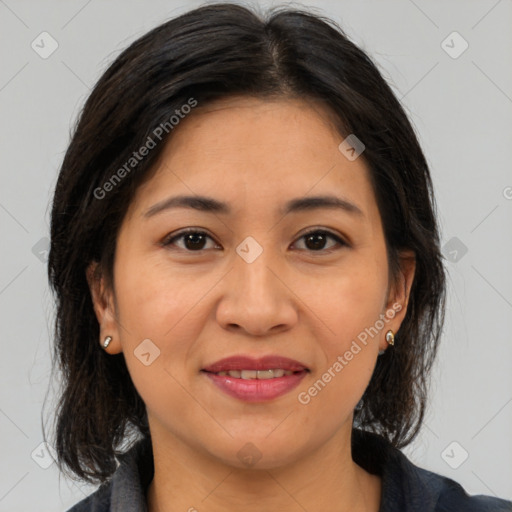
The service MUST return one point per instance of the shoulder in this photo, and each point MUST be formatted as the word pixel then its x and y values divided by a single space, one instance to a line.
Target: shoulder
pixel 125 491
pixel 450 496
pixel 409 488
pixel 99 501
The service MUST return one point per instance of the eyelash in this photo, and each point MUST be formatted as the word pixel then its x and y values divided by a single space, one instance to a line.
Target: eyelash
pixel 169 240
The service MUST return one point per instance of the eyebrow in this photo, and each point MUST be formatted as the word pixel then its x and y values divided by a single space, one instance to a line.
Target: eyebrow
pixel 209 204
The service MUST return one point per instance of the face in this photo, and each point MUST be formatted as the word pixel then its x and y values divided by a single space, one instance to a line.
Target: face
pixel 307 284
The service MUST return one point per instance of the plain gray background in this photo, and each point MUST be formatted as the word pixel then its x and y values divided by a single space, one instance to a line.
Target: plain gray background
pixel 459 101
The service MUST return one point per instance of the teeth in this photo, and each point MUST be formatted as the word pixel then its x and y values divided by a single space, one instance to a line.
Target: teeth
pixel 266 374
pixel 256 374
pixel 247 374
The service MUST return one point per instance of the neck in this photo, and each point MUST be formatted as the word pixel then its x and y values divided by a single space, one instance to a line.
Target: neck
pixel 326 479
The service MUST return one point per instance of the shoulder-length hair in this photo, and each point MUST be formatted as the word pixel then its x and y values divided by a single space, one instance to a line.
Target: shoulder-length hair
pixel 208 53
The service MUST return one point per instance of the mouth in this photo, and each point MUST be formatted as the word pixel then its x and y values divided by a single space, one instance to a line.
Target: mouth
pixel 241 363
pixel 256 380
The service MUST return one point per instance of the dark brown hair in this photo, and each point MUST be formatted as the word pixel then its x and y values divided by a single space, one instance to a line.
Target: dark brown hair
pixel 213 52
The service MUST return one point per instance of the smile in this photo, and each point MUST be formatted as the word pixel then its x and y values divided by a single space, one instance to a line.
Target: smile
pixel 255 379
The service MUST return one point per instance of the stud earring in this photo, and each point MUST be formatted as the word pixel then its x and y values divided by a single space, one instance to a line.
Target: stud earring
pixel 390 337
pixel 106 341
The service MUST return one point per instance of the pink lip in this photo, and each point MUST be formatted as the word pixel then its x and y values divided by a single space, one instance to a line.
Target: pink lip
pixel 256 390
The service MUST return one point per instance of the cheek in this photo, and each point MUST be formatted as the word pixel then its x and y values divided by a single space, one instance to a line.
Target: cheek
pixel 329 397
pixel 350 306
pixel 349 303
pixel 156 301
pixel 158 306
pixel 163 307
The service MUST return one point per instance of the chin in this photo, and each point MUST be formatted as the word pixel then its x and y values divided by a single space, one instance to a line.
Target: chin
pixel 254 452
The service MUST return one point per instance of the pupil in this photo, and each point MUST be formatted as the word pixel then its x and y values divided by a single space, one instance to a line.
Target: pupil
pixel 192 239
pixel 317 236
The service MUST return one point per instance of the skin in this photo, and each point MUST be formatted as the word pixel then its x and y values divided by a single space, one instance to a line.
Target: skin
pixel 199 306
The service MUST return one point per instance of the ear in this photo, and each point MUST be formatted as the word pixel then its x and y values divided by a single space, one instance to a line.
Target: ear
pixel 104 307
pixel 399 294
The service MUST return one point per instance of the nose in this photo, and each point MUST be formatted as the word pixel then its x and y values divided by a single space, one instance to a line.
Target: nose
pixel 256 295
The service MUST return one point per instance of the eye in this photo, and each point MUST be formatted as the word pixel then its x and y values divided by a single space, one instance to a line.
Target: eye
pixel 315 240
pixel 194 240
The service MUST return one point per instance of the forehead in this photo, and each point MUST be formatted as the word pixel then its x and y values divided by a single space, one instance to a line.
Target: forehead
pixel 248 151
pixel 244 125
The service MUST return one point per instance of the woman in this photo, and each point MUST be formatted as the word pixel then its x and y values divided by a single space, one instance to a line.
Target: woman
pixel 246 262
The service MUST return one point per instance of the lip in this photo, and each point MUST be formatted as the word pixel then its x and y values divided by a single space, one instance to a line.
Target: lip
pixel 255 390
pixel 248 363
